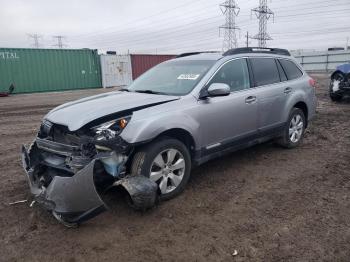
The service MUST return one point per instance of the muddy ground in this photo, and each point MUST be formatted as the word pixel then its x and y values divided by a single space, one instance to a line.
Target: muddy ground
pixel 267 203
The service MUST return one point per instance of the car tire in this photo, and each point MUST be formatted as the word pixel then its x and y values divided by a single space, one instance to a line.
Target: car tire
pixel 166 161
pixel 293 126
pixel 335 97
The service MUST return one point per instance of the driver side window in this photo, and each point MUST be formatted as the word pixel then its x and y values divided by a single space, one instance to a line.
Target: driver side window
pixel 235 74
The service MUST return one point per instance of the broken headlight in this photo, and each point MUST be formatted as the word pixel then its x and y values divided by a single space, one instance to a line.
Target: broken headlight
pixel 111 129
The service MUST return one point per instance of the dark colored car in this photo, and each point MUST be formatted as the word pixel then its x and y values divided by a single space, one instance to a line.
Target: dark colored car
pixel 340 82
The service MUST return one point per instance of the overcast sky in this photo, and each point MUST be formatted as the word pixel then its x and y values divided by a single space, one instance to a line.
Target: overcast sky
pixel 168 26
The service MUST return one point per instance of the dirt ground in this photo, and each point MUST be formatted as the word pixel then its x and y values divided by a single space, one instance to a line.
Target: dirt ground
pixel 266 203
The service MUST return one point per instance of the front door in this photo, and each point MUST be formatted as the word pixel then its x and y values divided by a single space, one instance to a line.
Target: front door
pixel 226 119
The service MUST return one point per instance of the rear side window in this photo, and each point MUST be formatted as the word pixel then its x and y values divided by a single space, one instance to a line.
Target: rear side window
pixel 291 69
pixel 265 71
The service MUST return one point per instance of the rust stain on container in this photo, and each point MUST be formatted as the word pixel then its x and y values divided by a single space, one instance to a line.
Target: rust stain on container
pixel 141 63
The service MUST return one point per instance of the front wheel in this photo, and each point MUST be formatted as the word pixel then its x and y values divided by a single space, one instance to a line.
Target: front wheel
pixel 337 78
pixel 335 97
pixel 166 162
pixel 294 130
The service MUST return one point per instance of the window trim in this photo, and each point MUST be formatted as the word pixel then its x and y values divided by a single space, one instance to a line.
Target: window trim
pixel 205 86
pixel 290 60
pixel 303 73
pixel 273 58
pixel 279 65
pixel 251 74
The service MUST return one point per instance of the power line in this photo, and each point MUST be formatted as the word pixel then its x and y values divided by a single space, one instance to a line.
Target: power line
pixel 170 35
pixel 166 30
pixel 169 31
pixel 187 33
pixel 180 17
pixel 146 18
pixel 207 41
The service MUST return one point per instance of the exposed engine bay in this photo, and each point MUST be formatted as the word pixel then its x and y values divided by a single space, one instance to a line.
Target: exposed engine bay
pixel 68 171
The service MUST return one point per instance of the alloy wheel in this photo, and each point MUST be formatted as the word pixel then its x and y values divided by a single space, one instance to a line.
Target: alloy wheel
pixel 296 128
pixel 168 169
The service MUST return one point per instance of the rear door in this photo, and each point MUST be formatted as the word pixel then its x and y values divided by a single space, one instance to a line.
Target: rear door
pixel 270 91
pixel 293 73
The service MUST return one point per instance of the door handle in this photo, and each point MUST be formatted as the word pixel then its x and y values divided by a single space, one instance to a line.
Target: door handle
pixel 287 90
pixel 250 99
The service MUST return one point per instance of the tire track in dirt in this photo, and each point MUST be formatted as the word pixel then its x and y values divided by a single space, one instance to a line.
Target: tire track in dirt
pixel 42 111
pixel 9 123
pixel 26 108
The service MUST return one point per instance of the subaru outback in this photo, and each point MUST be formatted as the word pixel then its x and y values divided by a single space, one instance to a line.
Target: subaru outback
pixel 146 138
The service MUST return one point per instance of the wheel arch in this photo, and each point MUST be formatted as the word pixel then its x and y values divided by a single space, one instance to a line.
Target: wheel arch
pixel 180 134
pixel 337 72
pixel 303 106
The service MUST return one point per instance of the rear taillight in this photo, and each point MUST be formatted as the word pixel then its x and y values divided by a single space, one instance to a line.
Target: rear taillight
pixel 312 82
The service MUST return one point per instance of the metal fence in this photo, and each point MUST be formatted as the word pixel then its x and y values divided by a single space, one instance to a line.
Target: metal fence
pixel 323 61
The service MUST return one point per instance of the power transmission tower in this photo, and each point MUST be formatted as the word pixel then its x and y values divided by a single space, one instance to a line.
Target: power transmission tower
pixel 59 39
pixel 36 38
pixel 230 9
pixel 263 13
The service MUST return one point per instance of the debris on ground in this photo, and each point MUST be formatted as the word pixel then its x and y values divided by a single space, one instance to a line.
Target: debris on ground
pixel 17 202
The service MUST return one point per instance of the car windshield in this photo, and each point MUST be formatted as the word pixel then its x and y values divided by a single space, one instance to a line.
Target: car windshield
pixel 176 77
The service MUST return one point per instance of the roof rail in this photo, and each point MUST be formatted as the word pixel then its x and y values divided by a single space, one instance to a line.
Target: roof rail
pixel 196 53
pixel 265 50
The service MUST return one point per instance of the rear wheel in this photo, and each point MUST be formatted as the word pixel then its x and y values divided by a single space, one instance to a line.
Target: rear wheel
pixel 166 162
pixel 294 131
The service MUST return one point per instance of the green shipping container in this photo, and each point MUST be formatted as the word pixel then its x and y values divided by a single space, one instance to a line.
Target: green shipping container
pixel 42 70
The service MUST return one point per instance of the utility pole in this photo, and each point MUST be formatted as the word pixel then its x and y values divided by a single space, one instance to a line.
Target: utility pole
pixel 263 13
pixel 35 38
pixel 59 39
pixel 247 39
pixel 230 9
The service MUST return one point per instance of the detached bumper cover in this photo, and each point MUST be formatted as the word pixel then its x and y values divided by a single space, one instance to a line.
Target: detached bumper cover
pixel 74 198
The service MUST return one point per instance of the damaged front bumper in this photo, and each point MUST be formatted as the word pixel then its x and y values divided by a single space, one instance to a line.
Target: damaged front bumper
pixel 70 192
pixel 340 87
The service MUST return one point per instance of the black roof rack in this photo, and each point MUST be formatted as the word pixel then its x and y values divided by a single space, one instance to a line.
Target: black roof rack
pixel 196 53
pixel 265 50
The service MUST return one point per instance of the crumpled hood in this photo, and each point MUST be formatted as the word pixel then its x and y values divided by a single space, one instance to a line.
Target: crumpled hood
pixel 78 113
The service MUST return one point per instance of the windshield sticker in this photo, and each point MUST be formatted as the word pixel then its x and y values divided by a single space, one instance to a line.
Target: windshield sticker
pixel 187 77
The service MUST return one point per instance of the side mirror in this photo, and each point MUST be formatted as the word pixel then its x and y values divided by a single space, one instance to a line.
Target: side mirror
pixel 219 89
